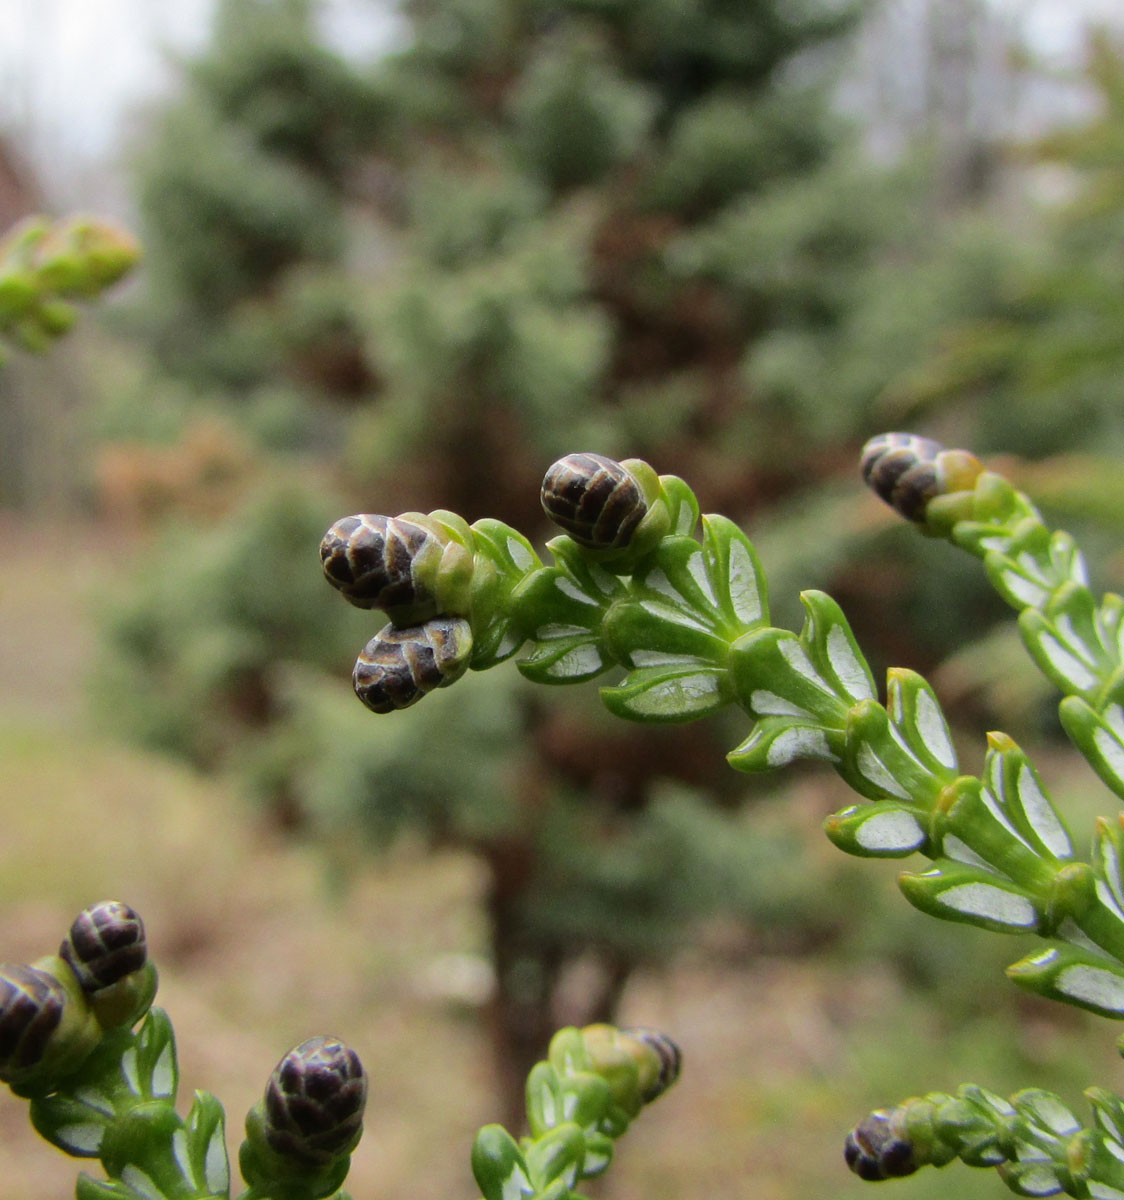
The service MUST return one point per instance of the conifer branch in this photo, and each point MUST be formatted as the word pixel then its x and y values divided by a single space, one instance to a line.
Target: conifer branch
pixel 1034 1140
pixel 580 1099
pixel 1076 641
pixel 638 584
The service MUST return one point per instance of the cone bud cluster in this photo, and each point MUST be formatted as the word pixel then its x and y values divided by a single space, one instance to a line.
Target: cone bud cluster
pixel 53 1012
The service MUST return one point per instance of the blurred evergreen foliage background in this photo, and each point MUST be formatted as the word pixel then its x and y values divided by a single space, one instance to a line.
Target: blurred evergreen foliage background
pixel 638 227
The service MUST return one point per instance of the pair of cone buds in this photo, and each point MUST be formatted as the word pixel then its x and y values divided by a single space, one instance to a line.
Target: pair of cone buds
pixel 53 1012
pixel 414 570
pixel 600 503
pixel 402 566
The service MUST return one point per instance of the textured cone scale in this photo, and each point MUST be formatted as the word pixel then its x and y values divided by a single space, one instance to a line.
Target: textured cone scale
pixel 669 1055
pixel 399 666
pixel 370 559
pixel 902 469
pixel 594 499
pixel 874 1150
pixel 314 1103
pixel 105 943
pixel 31 1008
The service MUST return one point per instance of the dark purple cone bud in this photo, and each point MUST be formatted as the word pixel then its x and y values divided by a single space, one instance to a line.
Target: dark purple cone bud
pixel 902 469
pixel 371 559
pixel 875 1149
pixel 314 1104
pixel 31 1010
pixel 594 499
pixel 669 1056
pixel 399 666
pixel 105 943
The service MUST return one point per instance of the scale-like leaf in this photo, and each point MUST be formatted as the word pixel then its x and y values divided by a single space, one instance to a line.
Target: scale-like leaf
pixel 598 1156
pixel 508 548
pixel 832 648
pixel 1108 865
pixel 883 829
pixel 1099 737
pixel 1073 975
pixel 997 504
pixel 682 503
pixel 498 1165
pixel 151 1068
pixel 567 657
pixel 205 1145
pixel 976 818
pixel 773 675
pixel 1043 1111
pixel 544 1099
pixel 561 609
pixel 916 714
pixel 73 1121
pixel 642 632
pixel 89 1188
pixel 1019 793
pixel 776 741
pixel 735 573
pixel 1032 563
pixel 1108 1115
pixel 878 762
pixel 1031 1176
pixel 1068 662
pixel 668 693
pixel 676 585
pixel 956 891
pixel 552 596
pixel 556 1155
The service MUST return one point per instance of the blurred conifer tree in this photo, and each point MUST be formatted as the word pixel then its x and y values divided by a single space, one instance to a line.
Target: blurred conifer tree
pixel 572 178
pixel 558 168
pixel 244 197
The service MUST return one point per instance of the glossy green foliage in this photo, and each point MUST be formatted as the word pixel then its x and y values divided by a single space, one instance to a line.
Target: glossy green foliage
pixel 684 615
